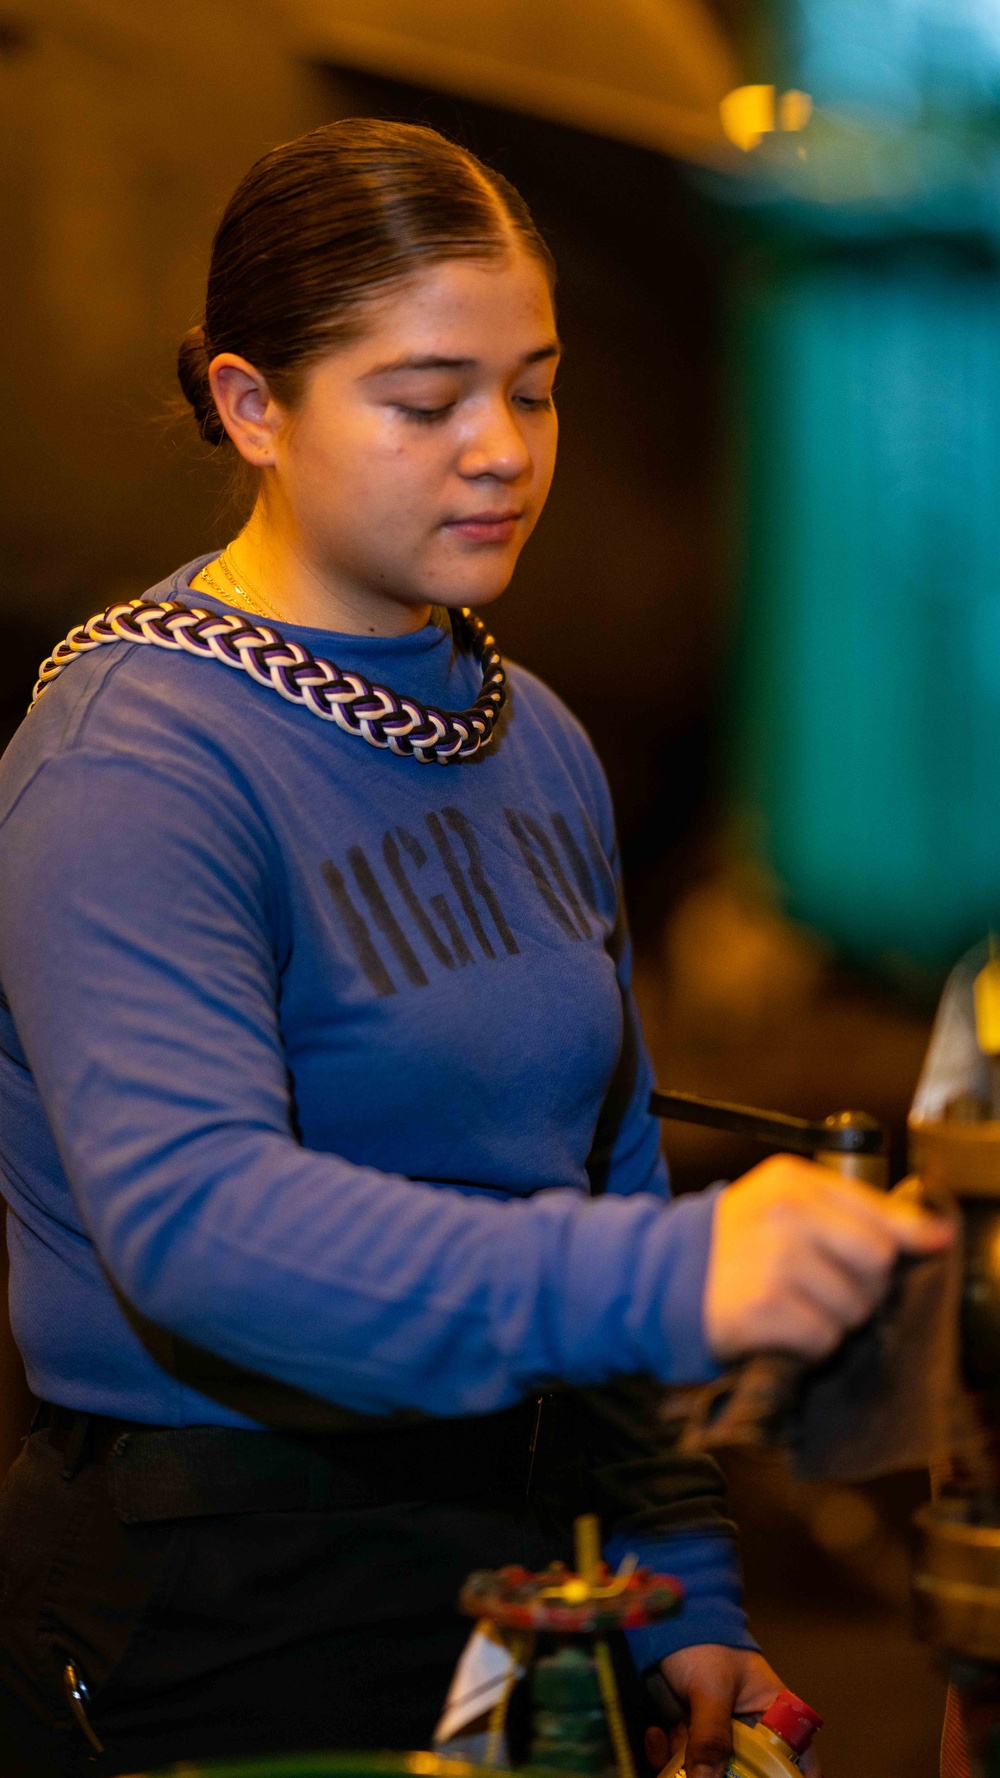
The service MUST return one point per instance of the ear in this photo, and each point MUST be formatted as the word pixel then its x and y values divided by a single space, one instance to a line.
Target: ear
pixel 246 407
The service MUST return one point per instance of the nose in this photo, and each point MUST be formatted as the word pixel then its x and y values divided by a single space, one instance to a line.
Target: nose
pixel 494 445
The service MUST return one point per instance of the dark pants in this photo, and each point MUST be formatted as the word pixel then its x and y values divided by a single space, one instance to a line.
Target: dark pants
pixel 251 1632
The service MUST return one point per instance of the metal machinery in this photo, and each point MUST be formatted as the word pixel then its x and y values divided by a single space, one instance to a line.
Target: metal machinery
pixel 957 1563
pixel 956 1575
pixel 577 1721
pixel 749 1404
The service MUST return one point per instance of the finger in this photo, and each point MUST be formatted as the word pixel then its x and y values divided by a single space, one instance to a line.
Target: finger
pixel 917 1230
pixel 848 1220
pixel 759 1685
pixel 900 1212
pixel 710 1736
pixel 909 1224
pixel 862 1238
pixel 799 1328
pixel 911 1191
pixel 837 1290
pixel 862 1256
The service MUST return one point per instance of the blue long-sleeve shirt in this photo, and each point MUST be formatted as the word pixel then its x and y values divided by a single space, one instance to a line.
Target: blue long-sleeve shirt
pixel 303 1048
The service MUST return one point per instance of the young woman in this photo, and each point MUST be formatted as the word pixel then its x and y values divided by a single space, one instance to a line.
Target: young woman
pixel 324 1130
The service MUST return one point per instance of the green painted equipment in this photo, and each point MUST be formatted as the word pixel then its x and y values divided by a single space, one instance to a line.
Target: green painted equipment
pixel 570 1730
pixel 328 1765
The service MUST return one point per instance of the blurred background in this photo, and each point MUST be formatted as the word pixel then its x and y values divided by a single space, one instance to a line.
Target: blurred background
pixel 769 576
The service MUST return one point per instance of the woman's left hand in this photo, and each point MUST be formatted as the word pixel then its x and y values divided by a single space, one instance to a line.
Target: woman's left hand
pixel 715 1684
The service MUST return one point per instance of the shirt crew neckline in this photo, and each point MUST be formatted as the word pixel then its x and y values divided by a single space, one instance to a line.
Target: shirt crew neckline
pixel 435 634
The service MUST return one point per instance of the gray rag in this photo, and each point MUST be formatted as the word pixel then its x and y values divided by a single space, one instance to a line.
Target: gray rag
pixel 891 1397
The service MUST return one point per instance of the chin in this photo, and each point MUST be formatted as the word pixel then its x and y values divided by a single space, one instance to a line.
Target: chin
pixel 471 577
pixel 477 597
pixel 474 590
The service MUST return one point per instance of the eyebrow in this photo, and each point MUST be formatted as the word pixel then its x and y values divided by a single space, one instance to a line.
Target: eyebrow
pixel 432 362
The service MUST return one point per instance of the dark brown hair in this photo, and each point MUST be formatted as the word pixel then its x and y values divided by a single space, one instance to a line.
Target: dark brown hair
pixel 321 226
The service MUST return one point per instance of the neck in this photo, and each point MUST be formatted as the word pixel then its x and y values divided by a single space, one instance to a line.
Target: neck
pixel 278 564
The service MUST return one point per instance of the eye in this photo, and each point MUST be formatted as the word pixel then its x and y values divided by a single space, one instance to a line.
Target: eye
pixel 424 416
pixel 533 402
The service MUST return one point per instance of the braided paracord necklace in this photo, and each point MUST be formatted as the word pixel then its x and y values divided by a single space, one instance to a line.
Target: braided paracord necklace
pixel 371 712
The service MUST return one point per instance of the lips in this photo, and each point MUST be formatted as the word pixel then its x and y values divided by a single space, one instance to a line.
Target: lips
pixel 485 527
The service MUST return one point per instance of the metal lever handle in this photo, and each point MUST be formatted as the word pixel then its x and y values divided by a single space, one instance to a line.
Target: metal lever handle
pixel 749 1404
pixel 845 1132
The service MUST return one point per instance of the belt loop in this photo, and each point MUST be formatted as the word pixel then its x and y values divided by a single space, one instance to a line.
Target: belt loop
pixel 77 1447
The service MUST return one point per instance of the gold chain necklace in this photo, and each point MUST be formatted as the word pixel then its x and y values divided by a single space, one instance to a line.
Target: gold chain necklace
pixel 251 598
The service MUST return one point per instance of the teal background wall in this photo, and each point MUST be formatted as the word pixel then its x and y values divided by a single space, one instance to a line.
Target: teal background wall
pixel 865 347
pixel 870 666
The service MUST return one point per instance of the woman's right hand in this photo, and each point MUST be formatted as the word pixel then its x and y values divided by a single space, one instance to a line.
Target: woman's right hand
pixel 801 1254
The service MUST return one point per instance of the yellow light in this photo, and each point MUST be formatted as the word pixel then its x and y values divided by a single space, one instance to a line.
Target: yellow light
pixel 750 112
pixel 575 1592
pixel 794 110
pixel 747 115
pixel 986 999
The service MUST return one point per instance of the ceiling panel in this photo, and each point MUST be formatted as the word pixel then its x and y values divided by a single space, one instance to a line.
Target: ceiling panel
pixel 645 71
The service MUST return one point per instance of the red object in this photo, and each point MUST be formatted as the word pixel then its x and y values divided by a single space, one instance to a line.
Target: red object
pixel 954 1740
pixel 792 1720
pixel 515 1599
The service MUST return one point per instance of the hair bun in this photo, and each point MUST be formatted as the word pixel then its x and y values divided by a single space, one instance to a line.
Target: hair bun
pixel 192 372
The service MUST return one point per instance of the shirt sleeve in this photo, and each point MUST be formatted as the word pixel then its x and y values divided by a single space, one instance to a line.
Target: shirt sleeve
pixel 711 1611
pixel 146 999
pixel 666 1507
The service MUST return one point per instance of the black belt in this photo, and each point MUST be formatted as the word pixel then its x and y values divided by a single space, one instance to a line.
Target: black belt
pixel 171 1472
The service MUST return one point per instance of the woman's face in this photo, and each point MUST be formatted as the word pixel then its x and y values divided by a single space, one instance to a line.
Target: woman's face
pixel 421 455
